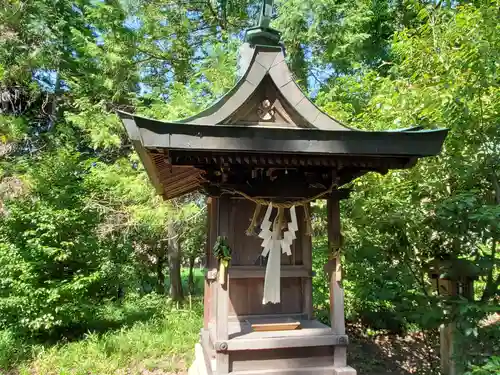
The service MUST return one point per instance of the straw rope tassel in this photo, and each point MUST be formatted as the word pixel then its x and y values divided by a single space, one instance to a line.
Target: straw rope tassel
pixel 251 228
pixel 307 219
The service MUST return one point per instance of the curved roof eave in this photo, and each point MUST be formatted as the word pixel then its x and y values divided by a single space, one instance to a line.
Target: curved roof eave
pixel 234 138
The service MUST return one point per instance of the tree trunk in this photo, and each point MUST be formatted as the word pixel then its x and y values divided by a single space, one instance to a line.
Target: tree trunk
pixel 174 264
pixel 55 108
pixel 491 287
pixel 160 276
pixel 191 274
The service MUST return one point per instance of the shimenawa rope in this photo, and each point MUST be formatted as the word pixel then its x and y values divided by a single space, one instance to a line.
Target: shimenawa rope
pixel 259 202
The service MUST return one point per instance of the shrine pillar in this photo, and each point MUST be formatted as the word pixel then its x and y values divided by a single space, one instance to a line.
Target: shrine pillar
pixel 222 291
pixel 334 271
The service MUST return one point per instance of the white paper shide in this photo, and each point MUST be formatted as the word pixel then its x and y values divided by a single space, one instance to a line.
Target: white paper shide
pixel 274 243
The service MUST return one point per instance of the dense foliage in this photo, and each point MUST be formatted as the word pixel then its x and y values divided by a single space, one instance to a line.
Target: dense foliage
pixel 81 227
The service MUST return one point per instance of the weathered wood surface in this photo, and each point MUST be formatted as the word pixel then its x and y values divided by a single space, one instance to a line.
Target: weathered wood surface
pixel 446 349
pixel 320 370
pixel 243 318
pixel 173 180
pixel 246 297
pixel 333 268
pixel 240 330
pixel 246 250
pixel 221 322
pixel 306 245
pixel 285 342
pixel 312 333
pixel 258 272
pixel 257 112
pixel 207 295
pixel 276 326
pixel 211 262
pixel 188 158
pixel 284 358
pixel 206 303
pixel 247 269
pixel 242 294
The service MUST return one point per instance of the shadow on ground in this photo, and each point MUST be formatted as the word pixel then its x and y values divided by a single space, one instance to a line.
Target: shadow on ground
pixel 393 355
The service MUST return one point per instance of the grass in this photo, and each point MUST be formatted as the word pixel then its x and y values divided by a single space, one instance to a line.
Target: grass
pixel 199 279
pixel 141 335
pixel 164 343
pixel 149 335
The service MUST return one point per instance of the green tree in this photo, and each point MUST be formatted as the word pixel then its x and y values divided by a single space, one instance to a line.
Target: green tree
pixel 54 267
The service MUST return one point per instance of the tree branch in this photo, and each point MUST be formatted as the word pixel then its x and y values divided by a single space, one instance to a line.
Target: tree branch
pixel 215 15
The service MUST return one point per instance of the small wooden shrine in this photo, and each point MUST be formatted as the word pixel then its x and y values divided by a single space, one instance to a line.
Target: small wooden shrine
pixel 262 153
pixel 452 277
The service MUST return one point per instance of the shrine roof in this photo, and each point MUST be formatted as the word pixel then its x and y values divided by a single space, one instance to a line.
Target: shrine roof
pixel 236 138
pixel 265 113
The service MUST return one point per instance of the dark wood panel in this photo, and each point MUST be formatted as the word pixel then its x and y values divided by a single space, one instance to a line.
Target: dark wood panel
pixel 255 294
pixel 246 272
pixel 281 358
pixel 247 249
pixel 291 295
pixel 306 259
pixel 238 296
pixel 246 297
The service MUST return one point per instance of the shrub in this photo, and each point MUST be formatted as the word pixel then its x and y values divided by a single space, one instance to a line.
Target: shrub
pixel 54 268
pixel 10 349
pixel 491 367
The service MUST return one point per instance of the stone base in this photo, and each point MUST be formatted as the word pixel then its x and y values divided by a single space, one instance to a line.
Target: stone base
pixel 199 366
pixel 344 371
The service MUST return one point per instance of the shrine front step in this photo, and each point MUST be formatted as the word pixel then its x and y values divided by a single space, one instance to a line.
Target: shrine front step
pixel 242 337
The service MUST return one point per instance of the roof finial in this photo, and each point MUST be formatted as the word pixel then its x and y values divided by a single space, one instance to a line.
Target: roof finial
pixel 266 13
pixel 263 33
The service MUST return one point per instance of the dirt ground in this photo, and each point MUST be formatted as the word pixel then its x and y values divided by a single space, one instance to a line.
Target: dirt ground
pixel 393 355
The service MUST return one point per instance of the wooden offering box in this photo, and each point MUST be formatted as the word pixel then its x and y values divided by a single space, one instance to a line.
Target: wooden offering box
pixel 265 144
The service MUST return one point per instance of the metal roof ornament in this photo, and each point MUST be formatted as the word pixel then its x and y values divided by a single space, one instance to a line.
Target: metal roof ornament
pixel 263 34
